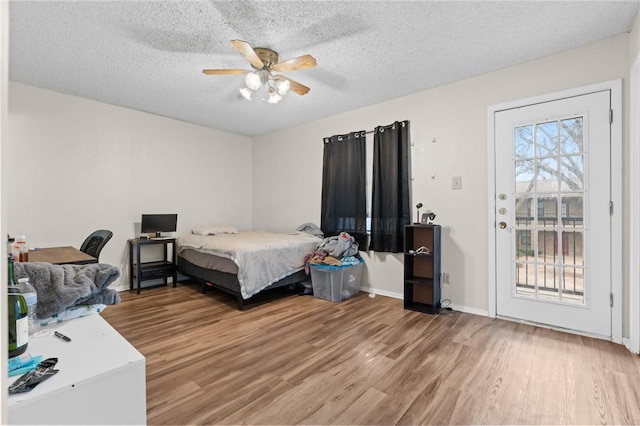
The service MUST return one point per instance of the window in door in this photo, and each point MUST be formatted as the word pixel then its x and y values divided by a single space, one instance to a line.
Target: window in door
pixel 549 173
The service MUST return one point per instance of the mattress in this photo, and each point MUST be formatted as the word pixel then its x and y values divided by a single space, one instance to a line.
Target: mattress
pixel 261 258
pixel 210 261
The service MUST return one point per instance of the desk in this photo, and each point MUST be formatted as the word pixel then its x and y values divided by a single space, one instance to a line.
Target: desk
pixel 102 379
pixel 152 270
pixel 61 256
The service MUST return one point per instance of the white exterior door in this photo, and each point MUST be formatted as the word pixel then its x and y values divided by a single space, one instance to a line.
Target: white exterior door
pixel 553 192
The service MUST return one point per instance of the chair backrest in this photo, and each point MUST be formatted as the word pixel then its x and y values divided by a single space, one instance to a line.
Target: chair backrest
pixel 95 242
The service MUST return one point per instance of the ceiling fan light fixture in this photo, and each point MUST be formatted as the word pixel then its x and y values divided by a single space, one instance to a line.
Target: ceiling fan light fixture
pixel 253 81
pixel 274 97
pixel 266 74
pixel 246 93
pixel 282 86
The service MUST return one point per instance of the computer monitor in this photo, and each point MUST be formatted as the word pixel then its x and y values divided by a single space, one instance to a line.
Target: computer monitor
pixel 158 223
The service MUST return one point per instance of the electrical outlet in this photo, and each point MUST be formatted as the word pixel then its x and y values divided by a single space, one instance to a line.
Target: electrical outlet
pixel 445 278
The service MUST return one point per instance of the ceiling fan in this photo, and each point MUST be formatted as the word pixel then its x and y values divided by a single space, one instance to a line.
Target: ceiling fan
pixel 266 69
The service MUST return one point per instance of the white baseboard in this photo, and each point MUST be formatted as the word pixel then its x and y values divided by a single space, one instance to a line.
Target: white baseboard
pixel 470 310
pixel 459 308
pixel 124 284
pixel 391 294
pixel 628 343
pixel 121 287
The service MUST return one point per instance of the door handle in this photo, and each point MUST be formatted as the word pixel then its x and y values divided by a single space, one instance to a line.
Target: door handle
pixel 502 225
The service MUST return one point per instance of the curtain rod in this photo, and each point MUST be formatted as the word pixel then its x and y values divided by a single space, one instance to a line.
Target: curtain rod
pixel 374 130
pixel 368 132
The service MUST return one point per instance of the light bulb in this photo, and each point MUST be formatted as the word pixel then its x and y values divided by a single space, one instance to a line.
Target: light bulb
pixel 282 86
pixel 274 97
pixel 246 93
pixel 253 81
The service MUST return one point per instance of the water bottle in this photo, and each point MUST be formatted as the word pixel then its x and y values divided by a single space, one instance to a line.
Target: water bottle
pixel 31 297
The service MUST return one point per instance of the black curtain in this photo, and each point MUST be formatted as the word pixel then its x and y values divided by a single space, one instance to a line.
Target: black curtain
pixel 344 187
pixel 390 203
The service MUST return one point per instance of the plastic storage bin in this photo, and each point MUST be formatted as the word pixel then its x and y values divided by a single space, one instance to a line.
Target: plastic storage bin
pixel 336 283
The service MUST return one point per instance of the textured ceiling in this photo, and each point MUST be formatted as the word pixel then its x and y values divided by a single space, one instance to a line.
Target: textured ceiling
pixel 149 55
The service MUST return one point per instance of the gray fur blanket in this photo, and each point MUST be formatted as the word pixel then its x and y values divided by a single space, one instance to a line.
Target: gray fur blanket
pixel 62 286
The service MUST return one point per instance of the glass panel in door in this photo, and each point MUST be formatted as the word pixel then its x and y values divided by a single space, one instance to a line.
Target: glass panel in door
pixel 549 196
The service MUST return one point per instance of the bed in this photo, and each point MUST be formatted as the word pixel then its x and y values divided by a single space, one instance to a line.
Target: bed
pixel 245 263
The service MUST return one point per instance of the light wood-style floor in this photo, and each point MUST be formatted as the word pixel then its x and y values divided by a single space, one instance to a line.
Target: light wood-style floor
pixel 302 360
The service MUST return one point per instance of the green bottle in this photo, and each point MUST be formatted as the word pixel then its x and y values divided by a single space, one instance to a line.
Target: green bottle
pixel 18 316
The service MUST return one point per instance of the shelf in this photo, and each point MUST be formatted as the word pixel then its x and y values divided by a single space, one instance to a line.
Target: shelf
pixel 419 281
pixel 422 307
pixel 152 270
pixel 419 254
pixel 422 270
pixel 159 269
pixel 155 264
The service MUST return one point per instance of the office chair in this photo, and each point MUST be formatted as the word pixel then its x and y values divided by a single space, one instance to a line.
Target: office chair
pixel 95 242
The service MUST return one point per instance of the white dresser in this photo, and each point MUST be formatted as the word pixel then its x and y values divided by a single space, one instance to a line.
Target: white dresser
pixel 102 379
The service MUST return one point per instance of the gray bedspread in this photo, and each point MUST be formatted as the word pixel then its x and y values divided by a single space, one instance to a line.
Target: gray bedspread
pixel 62 286
pixel 262 257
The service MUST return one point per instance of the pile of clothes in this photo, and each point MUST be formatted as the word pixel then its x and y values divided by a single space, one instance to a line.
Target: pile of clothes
pixel 341 250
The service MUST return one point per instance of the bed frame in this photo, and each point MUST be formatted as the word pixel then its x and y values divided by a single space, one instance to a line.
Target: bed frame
pixel 229 282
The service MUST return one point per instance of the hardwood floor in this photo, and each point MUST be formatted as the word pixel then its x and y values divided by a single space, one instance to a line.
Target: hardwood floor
pixel 302 360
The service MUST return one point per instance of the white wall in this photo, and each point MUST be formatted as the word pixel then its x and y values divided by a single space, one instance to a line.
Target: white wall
pixel 288 164
pixel 73 165
pixel 635 39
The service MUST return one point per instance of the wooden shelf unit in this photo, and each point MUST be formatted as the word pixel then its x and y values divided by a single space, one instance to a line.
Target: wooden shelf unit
pixel 421 270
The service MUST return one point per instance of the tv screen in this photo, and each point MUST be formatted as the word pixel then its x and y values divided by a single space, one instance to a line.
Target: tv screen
pixel 158 223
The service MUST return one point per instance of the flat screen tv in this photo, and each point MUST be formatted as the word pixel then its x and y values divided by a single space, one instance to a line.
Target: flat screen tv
pixel 158 223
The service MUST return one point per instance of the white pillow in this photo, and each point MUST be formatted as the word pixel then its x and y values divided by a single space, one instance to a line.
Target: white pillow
pixel 214 229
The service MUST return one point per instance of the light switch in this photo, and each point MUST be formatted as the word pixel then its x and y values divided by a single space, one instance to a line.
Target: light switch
pixel 456 182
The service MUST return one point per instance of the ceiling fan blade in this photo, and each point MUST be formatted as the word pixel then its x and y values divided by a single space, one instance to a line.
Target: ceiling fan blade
pixel 225 71
pixel 248 52
pixel 296 87
pixel 299 63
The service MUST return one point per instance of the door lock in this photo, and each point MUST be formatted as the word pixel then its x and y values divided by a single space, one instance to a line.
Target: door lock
pixel 502 225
